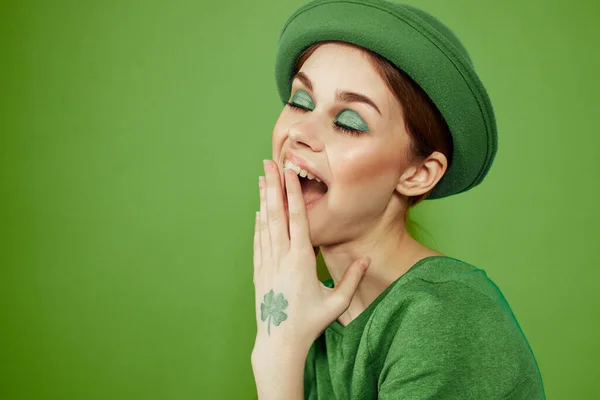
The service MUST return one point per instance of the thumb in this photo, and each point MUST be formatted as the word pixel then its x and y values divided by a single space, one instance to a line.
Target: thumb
pixel 347 286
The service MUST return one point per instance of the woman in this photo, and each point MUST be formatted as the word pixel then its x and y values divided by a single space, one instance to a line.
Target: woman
pixel 383 110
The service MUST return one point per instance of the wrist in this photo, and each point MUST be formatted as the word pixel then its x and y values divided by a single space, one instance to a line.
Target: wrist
pixel 279 374
pixel 271 356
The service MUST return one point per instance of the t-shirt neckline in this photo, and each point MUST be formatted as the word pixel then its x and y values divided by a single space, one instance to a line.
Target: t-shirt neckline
pixel 359 321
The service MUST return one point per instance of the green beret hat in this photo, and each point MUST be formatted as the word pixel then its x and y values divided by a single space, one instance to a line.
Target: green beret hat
pixel 424 48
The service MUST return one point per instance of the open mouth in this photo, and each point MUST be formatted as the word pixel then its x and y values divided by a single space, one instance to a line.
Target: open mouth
pixel 312 191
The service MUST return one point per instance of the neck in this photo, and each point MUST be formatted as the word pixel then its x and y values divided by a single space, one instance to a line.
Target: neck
pixel 392 253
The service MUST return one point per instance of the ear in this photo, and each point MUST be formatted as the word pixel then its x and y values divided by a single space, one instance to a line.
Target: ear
pixel 421 177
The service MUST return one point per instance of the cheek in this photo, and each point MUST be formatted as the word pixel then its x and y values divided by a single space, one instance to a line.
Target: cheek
pixel 368 166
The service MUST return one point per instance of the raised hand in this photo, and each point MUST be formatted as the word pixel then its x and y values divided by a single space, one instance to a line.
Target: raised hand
pixel 292 306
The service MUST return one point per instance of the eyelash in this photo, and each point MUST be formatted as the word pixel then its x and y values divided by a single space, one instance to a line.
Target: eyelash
pixel 341 128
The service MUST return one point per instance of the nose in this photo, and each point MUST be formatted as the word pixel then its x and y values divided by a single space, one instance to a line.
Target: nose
pixel 305 134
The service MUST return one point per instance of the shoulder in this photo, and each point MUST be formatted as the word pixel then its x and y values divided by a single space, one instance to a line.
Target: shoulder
pixel 441 298
pixel 445 284
pixel 441 292
pixel 448 316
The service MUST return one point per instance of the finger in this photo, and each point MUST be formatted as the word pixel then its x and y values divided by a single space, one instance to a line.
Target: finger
pixel 277 220
pixel 257 260
pixel 265 240
pixel 299 230
pixel 342 294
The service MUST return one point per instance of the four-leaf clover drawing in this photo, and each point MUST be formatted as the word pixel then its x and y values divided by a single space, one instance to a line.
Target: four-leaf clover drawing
pixel 272 307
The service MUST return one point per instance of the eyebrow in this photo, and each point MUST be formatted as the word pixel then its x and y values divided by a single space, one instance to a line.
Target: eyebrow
pixel 340 95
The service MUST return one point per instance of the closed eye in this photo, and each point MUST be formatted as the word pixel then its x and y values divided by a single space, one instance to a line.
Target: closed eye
pixel 297 106
pixel 336 125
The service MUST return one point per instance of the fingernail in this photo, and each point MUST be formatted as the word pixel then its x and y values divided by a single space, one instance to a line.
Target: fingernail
pixel 266 163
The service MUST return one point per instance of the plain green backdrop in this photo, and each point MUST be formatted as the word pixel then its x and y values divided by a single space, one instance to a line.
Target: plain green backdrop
pixel 132 135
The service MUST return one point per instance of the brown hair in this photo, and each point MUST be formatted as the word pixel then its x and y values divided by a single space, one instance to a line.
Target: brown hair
pixel 424 123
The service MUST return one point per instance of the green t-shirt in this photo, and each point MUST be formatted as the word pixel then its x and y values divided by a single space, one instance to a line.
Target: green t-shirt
pixel 443 330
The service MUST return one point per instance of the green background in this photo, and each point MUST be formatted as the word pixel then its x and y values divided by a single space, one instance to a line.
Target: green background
pixel 132 135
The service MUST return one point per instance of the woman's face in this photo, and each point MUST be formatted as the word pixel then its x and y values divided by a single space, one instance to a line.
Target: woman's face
pixel 361 168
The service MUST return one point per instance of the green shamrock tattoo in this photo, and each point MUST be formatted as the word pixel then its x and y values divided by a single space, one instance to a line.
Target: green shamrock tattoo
pixel 272 307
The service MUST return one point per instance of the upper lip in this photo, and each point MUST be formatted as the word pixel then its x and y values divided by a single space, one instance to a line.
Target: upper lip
pixel 304 165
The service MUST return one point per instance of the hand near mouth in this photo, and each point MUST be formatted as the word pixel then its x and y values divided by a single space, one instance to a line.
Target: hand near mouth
pixel 292 306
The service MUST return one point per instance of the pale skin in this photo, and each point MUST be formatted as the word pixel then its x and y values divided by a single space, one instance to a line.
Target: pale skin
pixel 360 218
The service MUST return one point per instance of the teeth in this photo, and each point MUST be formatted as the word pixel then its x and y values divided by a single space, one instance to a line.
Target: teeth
pixel 302 172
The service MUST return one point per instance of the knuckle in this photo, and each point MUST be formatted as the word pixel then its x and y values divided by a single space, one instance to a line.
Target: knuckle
pixel 295 215
pixel 340 301
pixel 275 217
pixel 263 228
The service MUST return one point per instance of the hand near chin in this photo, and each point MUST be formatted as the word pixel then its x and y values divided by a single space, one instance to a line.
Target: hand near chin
pixel 292 306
